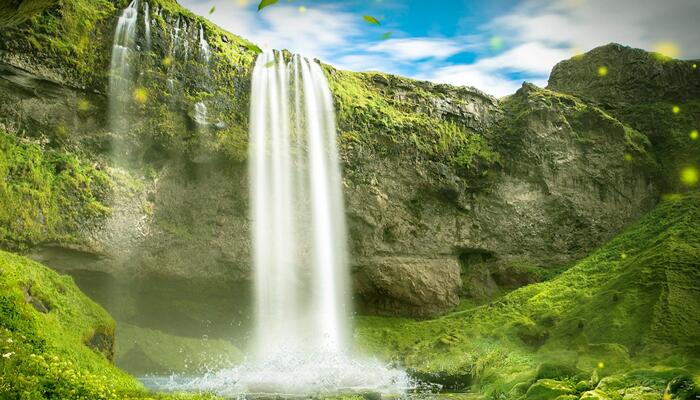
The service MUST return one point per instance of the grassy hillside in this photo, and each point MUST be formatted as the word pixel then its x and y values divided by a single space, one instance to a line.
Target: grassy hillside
pixel 630 312
pixel 55 343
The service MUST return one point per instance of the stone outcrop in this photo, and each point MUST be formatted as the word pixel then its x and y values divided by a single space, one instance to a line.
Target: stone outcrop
pixel 404 285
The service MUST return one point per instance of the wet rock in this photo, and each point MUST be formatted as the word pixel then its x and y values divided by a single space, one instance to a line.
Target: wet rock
pixel 37 303
pixel 102 342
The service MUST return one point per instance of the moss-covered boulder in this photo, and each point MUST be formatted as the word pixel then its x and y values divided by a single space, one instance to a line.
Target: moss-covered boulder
pixel 547 389
pixel 56 343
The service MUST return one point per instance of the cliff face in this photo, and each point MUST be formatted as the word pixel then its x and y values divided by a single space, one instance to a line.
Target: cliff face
pixel 654 94
pixel 449 191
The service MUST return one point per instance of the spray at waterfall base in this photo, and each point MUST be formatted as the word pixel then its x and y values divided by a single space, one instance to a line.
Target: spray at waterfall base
pixel 301 342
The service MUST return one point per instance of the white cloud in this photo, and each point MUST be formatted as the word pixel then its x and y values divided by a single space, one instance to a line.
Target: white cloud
pixel 489 81
pixel 319 31
pixel 532 57
pixel 490 74
pixel 585 24
pixel 537 34
pixel 414 49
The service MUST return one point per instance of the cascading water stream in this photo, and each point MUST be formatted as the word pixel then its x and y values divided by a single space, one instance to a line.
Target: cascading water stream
pixel 204 46
pixel 299 247
pixel 121 74
pixel 147 24
pixel 298 222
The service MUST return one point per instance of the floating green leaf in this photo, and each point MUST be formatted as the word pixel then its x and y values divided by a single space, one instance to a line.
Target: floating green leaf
pixel 211 10
pixel 371 20
pixel 253 48
pixel 269 64
pixel 265 3
pixel 387 35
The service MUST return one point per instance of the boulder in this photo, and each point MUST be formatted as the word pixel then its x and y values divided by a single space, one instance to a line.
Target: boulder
pixel 407 286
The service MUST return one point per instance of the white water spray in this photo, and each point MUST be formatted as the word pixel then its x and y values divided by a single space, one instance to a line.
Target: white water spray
pixel 299 244
pixel 200 113
pixel 147 24
pixel 204 50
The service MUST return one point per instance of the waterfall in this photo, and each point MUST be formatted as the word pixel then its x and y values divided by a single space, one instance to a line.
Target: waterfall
pixel 147 25
pixel 301 339
pixel 297 211
pixel 121 74
pixel 200 113
pixel 204 46
pixel 175 37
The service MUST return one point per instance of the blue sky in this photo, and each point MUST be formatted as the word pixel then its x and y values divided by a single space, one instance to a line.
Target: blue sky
pixel 492 45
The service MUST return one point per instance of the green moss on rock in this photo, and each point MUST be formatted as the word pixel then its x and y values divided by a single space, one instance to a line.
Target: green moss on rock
pixel 46 195
pixel 393 114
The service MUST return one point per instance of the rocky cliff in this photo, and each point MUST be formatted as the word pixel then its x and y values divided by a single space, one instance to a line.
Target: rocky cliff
pixel 449 192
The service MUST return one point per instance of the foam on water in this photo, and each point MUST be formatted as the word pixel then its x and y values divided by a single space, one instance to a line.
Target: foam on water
pixel 294 374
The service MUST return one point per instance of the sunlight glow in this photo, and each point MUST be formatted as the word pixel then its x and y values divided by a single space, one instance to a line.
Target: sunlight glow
pixel 689 176
pixel 667 48
pixel 140 95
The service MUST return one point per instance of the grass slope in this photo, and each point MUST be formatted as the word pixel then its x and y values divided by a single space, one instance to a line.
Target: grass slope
pixel 55 341
pixel 630 311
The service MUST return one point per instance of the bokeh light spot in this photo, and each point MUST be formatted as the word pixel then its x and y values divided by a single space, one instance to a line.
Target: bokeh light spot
pixel 601 365
pixel 689 176
pixel 602 70
pixel 83 105
pixel 668 49
pixel 496 42
pixel 140 95
pixel 694 134
pixel 675 109
pixel 628 157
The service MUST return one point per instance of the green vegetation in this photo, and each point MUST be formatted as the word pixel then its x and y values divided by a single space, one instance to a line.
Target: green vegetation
pixel 585 121
pixel 670 134
pixel 392 118
pixel 14 12
pixel 627 313
pixel 47 325
pixel 46 195
pixel 141 351
pixel 55 343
